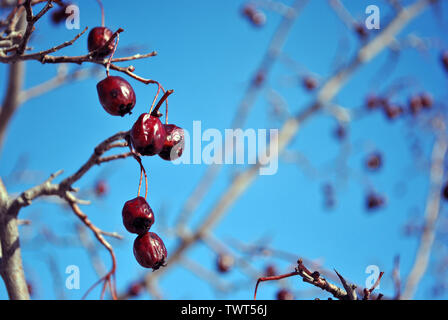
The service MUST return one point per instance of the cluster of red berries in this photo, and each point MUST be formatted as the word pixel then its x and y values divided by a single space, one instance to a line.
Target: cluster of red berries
pixel 148 137
pixel 149 249
pixel 392 111
pixel 255 16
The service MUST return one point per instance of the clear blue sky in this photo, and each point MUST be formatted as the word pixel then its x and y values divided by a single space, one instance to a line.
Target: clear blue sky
pixel 207 53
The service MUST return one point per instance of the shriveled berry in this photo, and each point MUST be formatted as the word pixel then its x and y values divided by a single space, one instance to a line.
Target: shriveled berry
pixel 98 37
pixel 116 95
pixel 150 251
pixel 148 135
pixel 284 294
pixel 225 262
pixel 138 216
pixel 174 143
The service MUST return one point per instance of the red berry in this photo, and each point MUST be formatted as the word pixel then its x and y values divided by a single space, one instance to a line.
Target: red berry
pixel 270 271
pixel 174 143
pixel 415 104
pixel 101 188
pixel 374 161
pixel 225 262
pixel 116 95
pixel 97 39
pixel 138 216
pixel 340 132
pixel 361 30
pixel 445 191
pixel 135 289
pixel 150 251
pixel 393 111
pixel 59 15
pixel 285 294
pixel 372 101
pixel 427 100
pixel 309 83
pixel 444 59
pixel 148 135
pixel 374 201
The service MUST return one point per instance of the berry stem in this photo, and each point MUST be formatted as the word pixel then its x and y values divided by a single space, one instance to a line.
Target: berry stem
pixel 291 274
pixel 142 171
pixel 112 55
pixel 102 12
pixel 161 101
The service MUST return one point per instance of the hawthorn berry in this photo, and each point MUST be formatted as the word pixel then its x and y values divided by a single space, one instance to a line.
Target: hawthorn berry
pixel 444 59
pixel 374 201
pixel 101 188
pixel 372 101
pixel 392 111
pixel 374 161
pixel 426 99
pixel 150 251
pixel 148 135
pixel 361 30
pixel 225 262
pixel 116 95
pixel 309 83
pixel 138 216
pixel 60 14
pixel 270 271
pixel 135 289
pixel 98 37
pixel 415 104
pixel 284 294
pixel 445 191
pixel 174 143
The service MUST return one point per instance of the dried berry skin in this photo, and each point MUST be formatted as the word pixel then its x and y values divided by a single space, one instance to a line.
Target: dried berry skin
pixel 138 216
pixel 150 251
pixel 116 95
pixel 174 143
pixel 98 37
pixel 148 135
